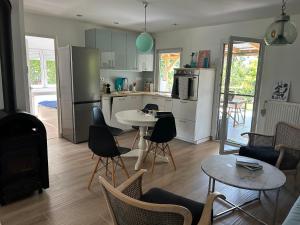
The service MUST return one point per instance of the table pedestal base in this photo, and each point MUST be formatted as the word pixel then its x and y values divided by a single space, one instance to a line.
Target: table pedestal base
pixel 137 152
pixel 239 207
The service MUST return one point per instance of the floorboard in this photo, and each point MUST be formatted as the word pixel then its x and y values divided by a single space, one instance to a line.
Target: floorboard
pixel 68 201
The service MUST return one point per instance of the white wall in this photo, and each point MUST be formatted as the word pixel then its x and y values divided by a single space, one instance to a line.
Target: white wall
pixel 280 62
pixel 20 66
pixel 65 31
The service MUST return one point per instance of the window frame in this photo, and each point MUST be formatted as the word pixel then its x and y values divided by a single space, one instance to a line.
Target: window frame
pixel 157 73
pixel 44 55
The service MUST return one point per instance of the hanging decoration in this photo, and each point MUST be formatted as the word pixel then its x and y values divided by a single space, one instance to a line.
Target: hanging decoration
pixel 282 31
pixel 144 41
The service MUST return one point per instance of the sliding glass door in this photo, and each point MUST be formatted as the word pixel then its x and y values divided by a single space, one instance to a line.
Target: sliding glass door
pixel 238 100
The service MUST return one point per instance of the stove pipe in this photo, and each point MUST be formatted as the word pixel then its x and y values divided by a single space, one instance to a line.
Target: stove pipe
pixel 6 57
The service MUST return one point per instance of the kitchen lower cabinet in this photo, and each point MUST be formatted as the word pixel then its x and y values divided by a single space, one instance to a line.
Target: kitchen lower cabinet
pixel 185 130
pixel 119 104
pixel 106 109
pixel 134 102
pixel 154 100
pixel 184 109
pixel 168 103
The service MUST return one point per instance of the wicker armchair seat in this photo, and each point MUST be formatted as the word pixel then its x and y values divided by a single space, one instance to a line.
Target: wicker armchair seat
pixel 270 155
pixel 266 154
pixel 160 196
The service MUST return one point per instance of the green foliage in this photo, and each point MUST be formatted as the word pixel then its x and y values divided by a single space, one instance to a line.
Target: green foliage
pixel 51 72
pixel 243 75
pixel 35 72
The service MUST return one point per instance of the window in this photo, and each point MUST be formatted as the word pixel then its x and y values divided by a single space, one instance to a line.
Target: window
pixel 42 68
pixel 168 61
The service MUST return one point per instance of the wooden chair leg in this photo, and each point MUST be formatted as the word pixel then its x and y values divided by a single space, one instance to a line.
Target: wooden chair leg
pixel 171 156
pixel 154 157
pixel 94 171
pixel 148 150
pixel 106 166
pixel 135 139
pixel 123 167
pixel 117 142
pixel 93 155
pixel 113 174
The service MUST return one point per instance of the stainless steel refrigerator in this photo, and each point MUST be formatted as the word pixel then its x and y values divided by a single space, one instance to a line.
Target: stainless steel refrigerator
pixel 79 85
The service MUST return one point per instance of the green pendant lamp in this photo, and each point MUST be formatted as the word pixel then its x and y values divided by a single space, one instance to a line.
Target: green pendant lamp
pixel 282 31
pixel 144 42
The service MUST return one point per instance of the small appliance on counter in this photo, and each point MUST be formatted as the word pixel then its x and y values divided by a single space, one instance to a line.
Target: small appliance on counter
pixel 148 86
pixel 185 84
pixel 121 84
pixel 107 89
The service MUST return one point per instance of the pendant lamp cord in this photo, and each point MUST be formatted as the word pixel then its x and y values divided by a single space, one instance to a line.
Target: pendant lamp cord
pixel 283 8
pixel 145 6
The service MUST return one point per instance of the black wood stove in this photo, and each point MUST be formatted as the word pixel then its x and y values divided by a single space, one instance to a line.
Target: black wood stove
pixel 23 140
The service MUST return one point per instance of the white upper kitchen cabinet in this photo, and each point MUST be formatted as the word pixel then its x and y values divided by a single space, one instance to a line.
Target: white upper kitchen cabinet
pixel 131 51
pixel 118 47
pixel 146 62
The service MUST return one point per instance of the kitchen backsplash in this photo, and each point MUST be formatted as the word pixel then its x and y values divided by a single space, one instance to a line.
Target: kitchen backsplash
pixel 109 76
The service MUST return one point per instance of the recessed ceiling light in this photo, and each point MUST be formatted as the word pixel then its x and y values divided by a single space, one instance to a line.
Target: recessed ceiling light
pixel 116 22
pixel 79 15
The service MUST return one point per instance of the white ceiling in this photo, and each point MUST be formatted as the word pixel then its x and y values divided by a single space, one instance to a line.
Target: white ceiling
pixel 162 14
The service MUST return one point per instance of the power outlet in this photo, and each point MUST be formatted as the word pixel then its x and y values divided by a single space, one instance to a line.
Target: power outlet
pixel 102 79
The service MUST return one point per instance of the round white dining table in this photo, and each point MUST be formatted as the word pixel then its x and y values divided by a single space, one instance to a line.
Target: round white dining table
pixel 143 121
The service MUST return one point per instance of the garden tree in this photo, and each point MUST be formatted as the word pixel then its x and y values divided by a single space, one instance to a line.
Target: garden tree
pixel 243 74
pixel 35 72
pixel 51 72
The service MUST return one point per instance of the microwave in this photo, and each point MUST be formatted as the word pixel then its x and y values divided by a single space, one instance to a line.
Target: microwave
pixel 185 85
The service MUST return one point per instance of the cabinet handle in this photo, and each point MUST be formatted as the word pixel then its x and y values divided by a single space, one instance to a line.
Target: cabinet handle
pixel 183 102
pixel 182 121
pixel 168 100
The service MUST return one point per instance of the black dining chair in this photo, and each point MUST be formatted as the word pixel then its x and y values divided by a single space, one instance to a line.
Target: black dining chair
pixel 98 119
pixel 103 144
pixel 163 132
pixel 145 110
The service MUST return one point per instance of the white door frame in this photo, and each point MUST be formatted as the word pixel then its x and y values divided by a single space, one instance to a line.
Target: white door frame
pixel 57 78
pixel 232 39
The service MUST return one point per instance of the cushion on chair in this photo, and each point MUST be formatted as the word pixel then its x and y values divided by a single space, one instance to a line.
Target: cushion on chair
pixel 266 154
pixel 159 196
pixel 123 150
pixel 115 131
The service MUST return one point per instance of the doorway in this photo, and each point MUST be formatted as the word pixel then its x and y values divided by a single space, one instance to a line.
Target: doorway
pixel 239 91
pixel 42 75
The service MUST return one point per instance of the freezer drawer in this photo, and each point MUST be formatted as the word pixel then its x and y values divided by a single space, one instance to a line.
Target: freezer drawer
pixel 82 120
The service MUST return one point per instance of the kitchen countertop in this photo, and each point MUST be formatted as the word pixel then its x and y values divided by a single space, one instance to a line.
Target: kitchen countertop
pixel 131 93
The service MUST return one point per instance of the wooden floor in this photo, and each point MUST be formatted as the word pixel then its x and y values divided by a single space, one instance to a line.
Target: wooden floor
pixel 68 202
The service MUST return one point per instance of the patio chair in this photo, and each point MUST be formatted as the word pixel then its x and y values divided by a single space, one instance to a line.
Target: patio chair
pixel 281 150
pixel 129 206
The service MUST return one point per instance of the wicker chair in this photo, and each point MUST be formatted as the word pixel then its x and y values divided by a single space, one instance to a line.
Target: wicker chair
pixel 284 147
pixel 127 207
